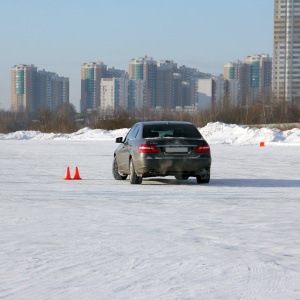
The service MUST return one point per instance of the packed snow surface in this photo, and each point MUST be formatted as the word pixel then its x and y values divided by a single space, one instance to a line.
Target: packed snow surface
pixel 237 237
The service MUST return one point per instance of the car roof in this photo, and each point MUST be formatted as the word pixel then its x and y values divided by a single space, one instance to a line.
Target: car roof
pixel 163 122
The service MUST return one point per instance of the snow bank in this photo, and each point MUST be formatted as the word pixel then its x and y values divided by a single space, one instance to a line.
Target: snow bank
pixel 214 133
pixel 220 133
pixel 82 134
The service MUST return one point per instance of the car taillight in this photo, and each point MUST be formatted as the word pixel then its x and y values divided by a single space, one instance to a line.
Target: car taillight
pixel 147 148
pixel 203 148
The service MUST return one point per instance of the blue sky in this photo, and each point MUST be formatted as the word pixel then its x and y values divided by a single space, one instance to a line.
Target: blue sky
pixel 60 35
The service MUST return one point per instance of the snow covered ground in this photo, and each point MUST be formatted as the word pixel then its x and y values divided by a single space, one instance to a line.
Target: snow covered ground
pixel 237 237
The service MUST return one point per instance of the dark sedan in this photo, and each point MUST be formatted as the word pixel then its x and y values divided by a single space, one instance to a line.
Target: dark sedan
pixel 162 148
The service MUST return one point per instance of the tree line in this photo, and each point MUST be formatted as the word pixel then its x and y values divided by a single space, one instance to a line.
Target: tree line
pixel 65 119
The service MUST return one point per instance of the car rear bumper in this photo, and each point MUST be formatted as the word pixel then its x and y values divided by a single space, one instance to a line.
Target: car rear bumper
pixel 149 166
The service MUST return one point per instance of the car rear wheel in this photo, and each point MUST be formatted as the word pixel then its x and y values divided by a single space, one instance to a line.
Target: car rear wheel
pixel 134 178
pixel 203 179
pixel 115 171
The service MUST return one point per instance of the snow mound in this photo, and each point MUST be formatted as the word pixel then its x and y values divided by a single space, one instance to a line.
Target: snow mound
pixel 82 134
pixel 221 133
pixel 214 133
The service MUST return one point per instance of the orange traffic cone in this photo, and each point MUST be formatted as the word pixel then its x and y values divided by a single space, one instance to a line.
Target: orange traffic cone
pixel 76 176
pixel 68 175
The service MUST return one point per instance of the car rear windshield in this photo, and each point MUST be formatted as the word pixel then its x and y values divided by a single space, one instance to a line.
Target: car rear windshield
pixel 171 130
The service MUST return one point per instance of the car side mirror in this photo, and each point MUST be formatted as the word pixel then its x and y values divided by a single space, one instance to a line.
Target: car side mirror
pixel 119 140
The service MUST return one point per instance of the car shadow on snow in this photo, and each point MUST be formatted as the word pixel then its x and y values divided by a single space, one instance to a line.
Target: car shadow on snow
pixel 169 181
pixel 234 182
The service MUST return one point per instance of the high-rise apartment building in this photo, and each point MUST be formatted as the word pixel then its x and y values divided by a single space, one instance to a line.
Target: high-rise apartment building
pixel 165 83
pixel 254 77
pixel 214 92
pixel 32 89
pixel 286 47
pixel 232 92
pixel 136 94
pixel 260 77
pixel 189 77
pixel 145 68
pixel 52 90
pixel 62 90
pixel 117 73
pixel 91 75
pixel 23 88
pixel 124 93
pixel 240 71
pixel 166 86
pixel 114 94
pixel 178 90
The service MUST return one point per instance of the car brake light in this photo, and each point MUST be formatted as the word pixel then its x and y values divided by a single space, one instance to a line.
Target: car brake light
pixel 203 148
pixel 147 148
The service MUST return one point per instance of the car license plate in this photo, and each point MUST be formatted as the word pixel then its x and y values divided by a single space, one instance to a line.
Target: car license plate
pixel 176 149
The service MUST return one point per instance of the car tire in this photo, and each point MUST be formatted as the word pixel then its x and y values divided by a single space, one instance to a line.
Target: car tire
pixel 134 178
pixel 182 177
pixel 203 179
pixel 115 171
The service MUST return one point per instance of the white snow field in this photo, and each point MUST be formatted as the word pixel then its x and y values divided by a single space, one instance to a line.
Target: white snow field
pixel 237 237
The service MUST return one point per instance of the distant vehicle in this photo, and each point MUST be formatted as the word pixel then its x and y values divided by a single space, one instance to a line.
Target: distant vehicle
pixel 162 148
